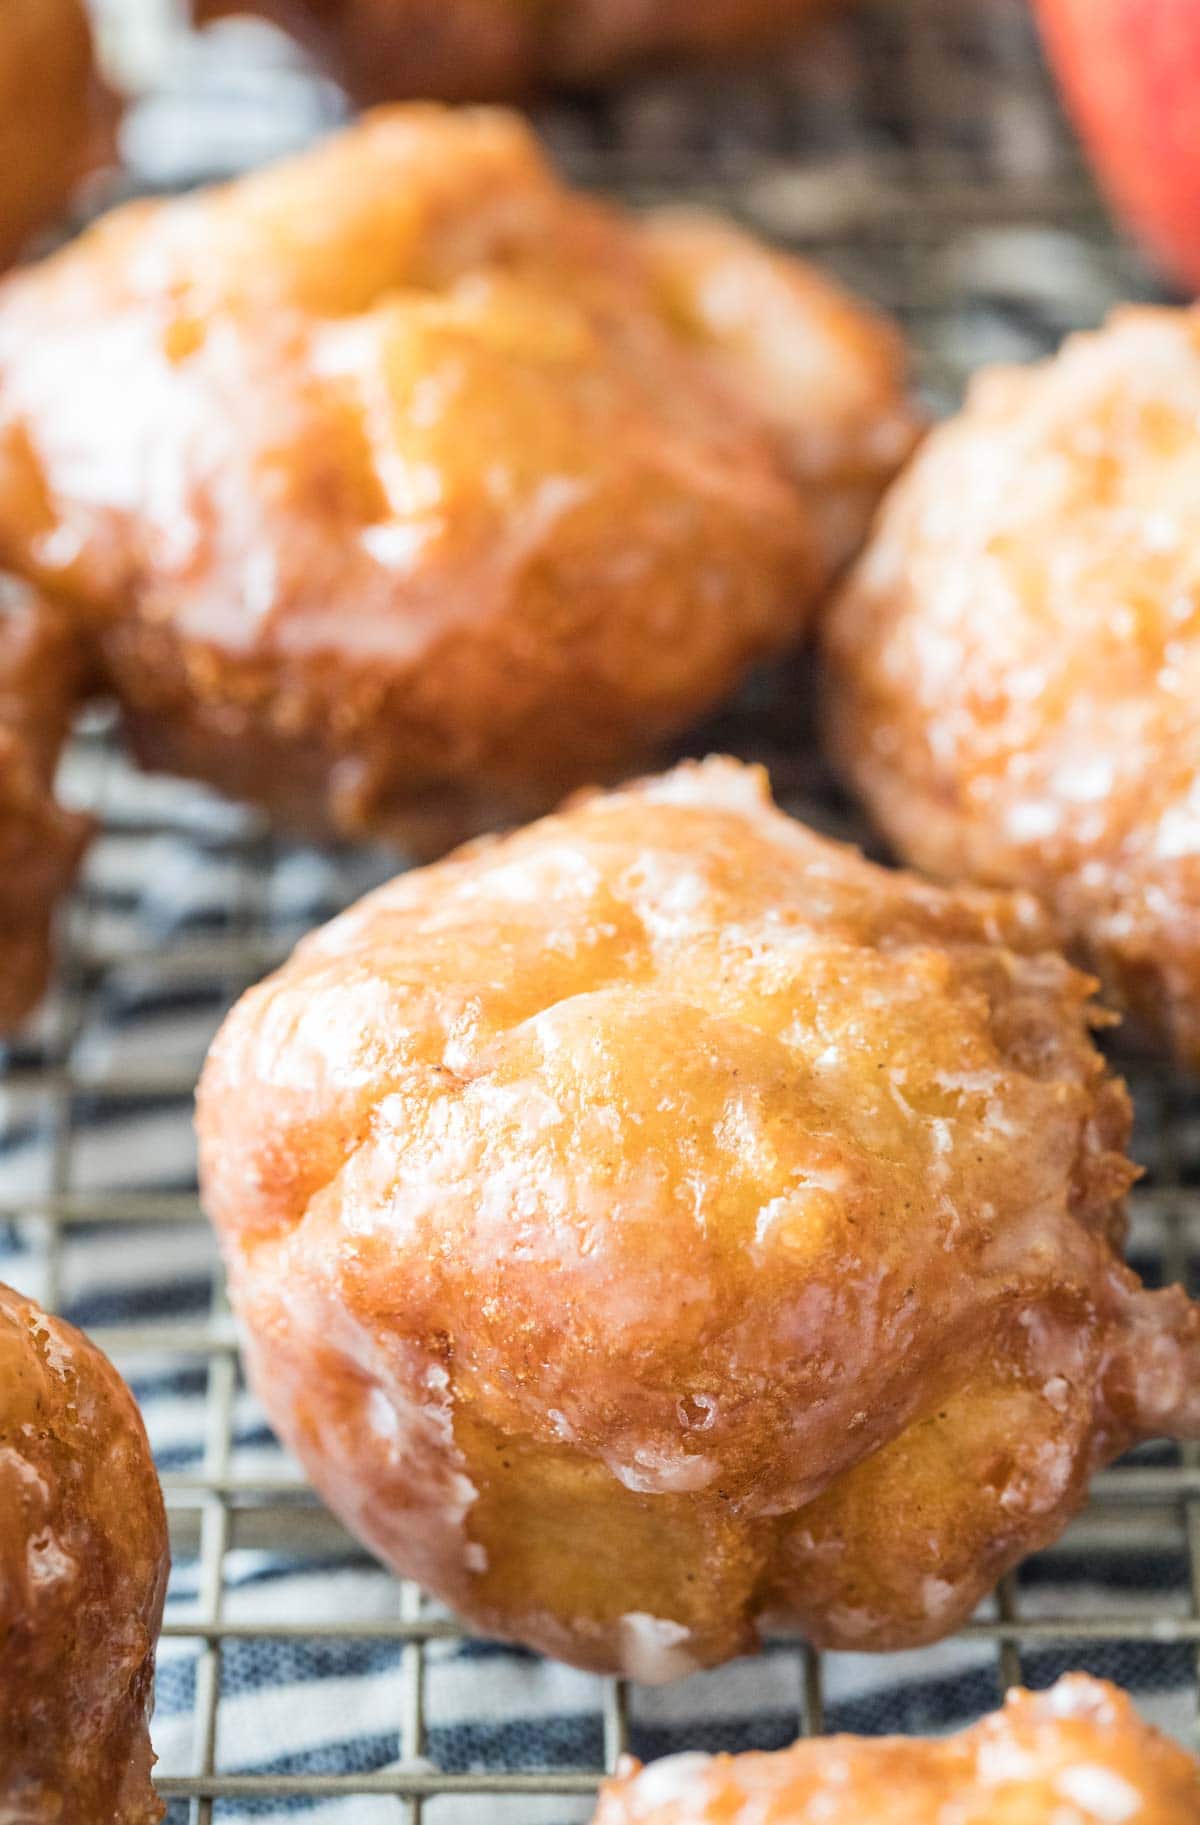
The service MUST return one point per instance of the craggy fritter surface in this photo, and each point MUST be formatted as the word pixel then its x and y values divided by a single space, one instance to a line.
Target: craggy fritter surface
pixel 83 1572
pixel 401 488
pixel 662 1219
pixel 1075 1755
pixel 1015 662
pixel 40 843
pixel 488 50
pixel 47 112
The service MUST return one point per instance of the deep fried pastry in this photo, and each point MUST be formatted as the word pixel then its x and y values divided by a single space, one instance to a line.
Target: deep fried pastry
pixel 1075 1755
pixel 41 679
pixel 47 89
pixel 489 50
pixel 663 1219
pixel 83 1570
pixel 1015 663
pixel 401 489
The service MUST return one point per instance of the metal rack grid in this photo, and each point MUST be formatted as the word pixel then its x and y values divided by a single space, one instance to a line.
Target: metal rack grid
pixel 914 145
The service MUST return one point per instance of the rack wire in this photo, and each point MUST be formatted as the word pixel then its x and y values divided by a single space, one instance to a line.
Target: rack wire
pixel 915 146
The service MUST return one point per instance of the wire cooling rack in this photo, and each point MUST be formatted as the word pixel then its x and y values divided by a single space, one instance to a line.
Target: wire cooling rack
pixel 913 145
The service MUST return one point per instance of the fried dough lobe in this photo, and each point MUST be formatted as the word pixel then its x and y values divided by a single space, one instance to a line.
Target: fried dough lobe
pixel 1078 1754
pixel 83 1572
pixel 662 1221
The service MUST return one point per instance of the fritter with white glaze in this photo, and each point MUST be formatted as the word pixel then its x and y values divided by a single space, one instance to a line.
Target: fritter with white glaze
pixel 662 1220
pixel 1014 665
pixel 1075 1755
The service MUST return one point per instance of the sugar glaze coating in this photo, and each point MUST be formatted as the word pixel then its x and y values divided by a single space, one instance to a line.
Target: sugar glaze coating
pixel 83 1572
pixel 400 488
pixel 662 1219
pixel 1014 665
pixel 1075 1755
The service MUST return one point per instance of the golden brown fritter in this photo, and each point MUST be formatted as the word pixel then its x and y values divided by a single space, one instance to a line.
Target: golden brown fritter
pixel 41 679
pixel 489 50
pixel 662 1219
pixel 401 488
pixel 1015 662
pixel 47 112
pixel 1075 1755
pixel 83 1571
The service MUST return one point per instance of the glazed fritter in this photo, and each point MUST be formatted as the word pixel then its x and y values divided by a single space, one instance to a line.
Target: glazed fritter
pixel 490 50
pixel 1075 1755
pixel 400 488
pixel 1015 662
pixel 83 1572
pixel 48 112
pixel 663 1220
pixel 41 679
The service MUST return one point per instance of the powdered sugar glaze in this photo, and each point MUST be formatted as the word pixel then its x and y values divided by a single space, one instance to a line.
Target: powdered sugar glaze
pixel 663 1219
pixel 1076 1755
